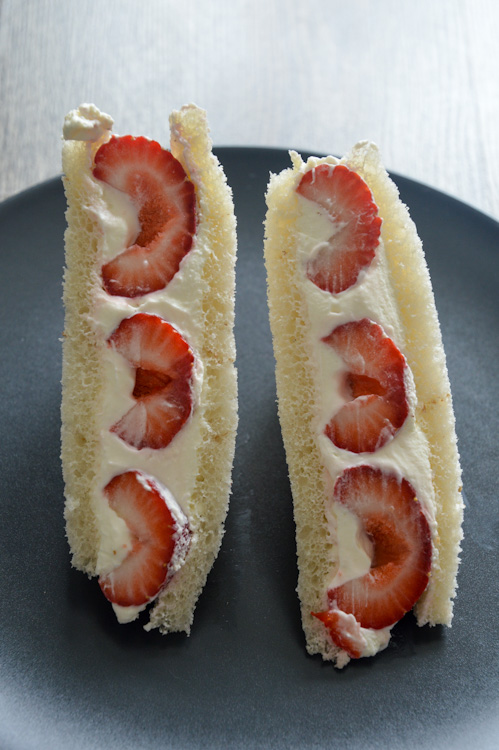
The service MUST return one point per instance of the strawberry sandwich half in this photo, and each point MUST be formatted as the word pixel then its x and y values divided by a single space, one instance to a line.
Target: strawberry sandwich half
pixel 364 404
pixel 149 402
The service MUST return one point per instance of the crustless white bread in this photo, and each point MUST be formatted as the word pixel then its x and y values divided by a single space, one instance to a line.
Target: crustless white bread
pixel 84 347
pixel 418 336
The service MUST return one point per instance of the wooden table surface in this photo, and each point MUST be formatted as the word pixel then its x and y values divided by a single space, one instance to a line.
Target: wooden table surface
pixel 421 79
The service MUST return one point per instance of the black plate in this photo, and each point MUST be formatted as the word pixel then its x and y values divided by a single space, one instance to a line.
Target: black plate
pixel 71 677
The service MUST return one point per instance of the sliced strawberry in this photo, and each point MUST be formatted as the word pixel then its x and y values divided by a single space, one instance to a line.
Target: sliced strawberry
pixel 373 386
pixel 344 631
pixel 163 365
pixel 165 201
pixel 394 522
pixel 336 265
pixel 160 533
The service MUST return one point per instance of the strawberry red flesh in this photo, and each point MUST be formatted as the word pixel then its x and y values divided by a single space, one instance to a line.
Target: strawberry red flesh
pixel 344 633
pixel 372 385
pixel 166 207
pixel 163 364
pixel 335 265
pixel 392 518
pixel 158 532
pixel 148 382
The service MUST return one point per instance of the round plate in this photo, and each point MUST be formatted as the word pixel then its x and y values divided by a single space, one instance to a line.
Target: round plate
pixel 71 676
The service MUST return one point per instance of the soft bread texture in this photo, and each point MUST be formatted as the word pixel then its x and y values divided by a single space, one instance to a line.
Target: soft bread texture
pixel 295 389
pixel 83 373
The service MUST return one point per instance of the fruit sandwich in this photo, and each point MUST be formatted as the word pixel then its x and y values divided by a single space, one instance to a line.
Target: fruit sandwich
pixel 149 406
pixel 364 404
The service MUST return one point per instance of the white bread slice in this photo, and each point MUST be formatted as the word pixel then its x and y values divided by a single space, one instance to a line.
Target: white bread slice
pixel 83 344
pixel 420 341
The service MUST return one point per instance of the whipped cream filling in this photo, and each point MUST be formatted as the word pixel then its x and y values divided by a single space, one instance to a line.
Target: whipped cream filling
pixel 175 466
pixel 87 123
pixel 407 453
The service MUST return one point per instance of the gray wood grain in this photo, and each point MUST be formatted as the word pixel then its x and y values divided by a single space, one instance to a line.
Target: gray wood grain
pixel 420 79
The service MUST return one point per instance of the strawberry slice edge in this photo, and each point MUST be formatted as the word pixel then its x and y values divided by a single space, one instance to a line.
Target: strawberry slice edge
pixel 160 533
pixel 163 363
pixel 165 200
pixel 393 519
pixel 373 384
pixel 344 631
pixel 356 227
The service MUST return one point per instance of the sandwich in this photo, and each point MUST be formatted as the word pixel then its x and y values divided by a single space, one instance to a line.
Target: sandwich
pixel 364 404
pixel 149 388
